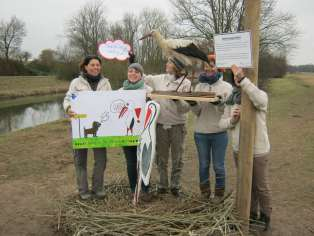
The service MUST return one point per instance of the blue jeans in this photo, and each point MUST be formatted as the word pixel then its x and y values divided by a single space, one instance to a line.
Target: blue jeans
pixel 212 146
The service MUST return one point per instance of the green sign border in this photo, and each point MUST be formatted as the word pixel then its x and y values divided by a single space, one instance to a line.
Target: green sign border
pixel 109 141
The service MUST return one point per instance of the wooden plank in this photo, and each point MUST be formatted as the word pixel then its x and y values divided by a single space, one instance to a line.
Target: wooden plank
pixel 248 120
pixel 181 97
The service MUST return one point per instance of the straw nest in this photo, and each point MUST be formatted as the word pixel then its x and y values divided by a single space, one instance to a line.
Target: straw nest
pixel 165 215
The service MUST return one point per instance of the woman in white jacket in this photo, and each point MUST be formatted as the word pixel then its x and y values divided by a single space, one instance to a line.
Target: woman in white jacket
pixel 210 139
pixel 90 79
pixel 261 195
pixel 170 131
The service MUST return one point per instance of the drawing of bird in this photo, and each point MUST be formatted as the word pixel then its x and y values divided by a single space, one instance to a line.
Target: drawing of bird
pixel 130 117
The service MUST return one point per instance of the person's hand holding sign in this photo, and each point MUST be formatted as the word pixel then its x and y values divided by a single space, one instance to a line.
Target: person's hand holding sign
pixel 238 74
pixel 70 112
pixel 236 115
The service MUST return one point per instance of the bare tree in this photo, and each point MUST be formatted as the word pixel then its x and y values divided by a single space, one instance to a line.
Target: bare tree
pixel 116 31
pixel 23 56
pixel 11 36
pixel 278 29
pixel 88 28
pixel 65 54
pixel 131 27
pixel 148 51
pixel 48 58
pixel 126 29
pixel 203 18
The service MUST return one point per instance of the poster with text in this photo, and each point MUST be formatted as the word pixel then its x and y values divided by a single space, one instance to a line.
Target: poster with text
pixel 107 118
pixel 233 48
pixel 117 49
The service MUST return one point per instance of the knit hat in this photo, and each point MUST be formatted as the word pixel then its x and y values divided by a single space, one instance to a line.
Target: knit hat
pixel 138 67
pixel 178 64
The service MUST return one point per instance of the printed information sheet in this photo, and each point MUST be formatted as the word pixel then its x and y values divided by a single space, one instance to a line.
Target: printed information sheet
pixel 234 48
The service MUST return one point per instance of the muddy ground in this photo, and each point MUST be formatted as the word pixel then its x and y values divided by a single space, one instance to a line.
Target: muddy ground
pixel 36 167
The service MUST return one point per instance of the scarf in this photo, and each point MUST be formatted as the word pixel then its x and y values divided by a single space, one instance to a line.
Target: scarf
pixel 235 97
pixel 209 78
pixel 127 85
pixel 92 80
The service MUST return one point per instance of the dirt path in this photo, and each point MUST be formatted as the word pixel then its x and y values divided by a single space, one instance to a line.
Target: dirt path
pixel 36 169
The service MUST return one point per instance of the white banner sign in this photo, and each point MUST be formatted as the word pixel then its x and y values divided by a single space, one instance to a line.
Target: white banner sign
pixel 234 48
pixel 107 118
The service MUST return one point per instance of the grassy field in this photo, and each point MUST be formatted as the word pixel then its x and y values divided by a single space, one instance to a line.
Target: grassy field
pixel 29 100
pixel 21 86
pixel 36 166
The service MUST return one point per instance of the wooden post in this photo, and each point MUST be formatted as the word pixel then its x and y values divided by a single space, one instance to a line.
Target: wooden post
pixel 248 119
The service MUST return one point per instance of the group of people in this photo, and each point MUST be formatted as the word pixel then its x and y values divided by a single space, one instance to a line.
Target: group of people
pixel 213 120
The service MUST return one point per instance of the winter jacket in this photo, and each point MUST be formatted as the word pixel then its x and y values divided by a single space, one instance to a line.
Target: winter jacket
pixel 260 101
pixel 81 84
pixel 208 114
pixel 171 112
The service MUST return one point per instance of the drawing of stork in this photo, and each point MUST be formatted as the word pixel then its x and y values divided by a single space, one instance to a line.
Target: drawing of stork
pixel 146 148
pixel 131 114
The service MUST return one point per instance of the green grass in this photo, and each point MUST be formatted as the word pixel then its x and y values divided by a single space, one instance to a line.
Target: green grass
pixel 289 95
pixel 21 86
pixel 35 154
pixel 291 127
pixel 24 101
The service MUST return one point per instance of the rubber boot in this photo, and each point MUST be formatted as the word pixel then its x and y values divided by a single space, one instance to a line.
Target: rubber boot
pixel 265 219
pixel 205 191
pixel 219 194
pixel 253 218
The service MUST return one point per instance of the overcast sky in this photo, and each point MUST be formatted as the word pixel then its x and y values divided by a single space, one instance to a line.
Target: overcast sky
pixel 45 20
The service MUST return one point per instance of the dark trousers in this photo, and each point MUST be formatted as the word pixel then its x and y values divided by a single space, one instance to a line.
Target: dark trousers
pixel 261 193
pixel 80 163
pixel 170 140
pixel 130 153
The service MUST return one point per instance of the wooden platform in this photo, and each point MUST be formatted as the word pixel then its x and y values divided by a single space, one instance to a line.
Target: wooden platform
pixel 189 96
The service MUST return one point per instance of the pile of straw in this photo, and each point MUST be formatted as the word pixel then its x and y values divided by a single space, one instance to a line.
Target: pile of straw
pixel 116 216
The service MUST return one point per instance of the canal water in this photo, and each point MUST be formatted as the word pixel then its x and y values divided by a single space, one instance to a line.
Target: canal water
pixel 21 117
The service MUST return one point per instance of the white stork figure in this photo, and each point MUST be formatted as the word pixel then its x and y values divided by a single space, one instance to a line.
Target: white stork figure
pixel 146 148
pixel 184 50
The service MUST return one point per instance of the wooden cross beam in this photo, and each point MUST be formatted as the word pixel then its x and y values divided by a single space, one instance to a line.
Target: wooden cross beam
pixel 248 119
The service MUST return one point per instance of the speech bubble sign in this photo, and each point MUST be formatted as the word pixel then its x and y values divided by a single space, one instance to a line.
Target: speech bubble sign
pixel 117 49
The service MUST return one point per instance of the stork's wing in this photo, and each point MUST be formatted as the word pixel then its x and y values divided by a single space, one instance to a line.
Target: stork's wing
pixel 146 158
pixel 192 50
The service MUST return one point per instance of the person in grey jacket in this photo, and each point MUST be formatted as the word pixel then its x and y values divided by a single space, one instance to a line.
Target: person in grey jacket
pixel 261 194
pixel 171 130
pixel 210 139
pixel 90 79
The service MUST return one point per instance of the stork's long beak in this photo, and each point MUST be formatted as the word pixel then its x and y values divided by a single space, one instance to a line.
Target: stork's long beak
pixel 146 36
pixel 123 111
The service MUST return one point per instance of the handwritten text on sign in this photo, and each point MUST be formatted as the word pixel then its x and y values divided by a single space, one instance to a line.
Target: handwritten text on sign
pixel 114 50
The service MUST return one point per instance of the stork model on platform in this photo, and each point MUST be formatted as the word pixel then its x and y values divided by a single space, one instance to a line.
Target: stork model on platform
pixel 184 50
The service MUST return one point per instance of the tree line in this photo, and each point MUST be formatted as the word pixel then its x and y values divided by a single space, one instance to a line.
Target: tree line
pixel 301 68
pixel 198 20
